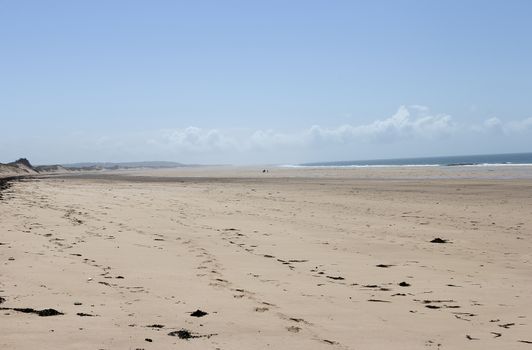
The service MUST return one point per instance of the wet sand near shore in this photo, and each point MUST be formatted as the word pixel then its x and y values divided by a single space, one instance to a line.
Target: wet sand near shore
pixel 291 259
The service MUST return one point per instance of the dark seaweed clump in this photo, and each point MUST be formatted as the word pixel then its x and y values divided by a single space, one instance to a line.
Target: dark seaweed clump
pixel 42 313
pixel 439 240
pixel 198 313
pixel 182 334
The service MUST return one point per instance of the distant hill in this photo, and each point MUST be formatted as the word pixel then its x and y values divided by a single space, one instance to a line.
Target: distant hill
pixel 19 167
pixel 122 165
pixel 23 167
pixel 50 168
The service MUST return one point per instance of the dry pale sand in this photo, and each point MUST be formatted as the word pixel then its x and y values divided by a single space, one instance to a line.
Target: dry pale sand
pixel 290 259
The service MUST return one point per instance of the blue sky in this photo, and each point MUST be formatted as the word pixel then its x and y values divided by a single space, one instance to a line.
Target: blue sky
pixel 263 81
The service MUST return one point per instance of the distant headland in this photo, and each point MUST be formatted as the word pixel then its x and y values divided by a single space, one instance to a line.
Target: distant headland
pixel 23 167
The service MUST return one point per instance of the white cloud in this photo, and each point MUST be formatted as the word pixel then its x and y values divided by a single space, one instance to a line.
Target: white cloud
pixel 268 139
pixel 409 123
pixel 495 125
pixel 411 130
pixel 519 126
pixel 492 126
pixel 193 139
pixel 413 122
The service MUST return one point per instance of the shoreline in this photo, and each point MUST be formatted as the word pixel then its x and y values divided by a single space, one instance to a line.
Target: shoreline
pixel 343 173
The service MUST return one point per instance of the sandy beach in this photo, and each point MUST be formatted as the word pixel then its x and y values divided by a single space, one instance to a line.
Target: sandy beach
pixel 230 258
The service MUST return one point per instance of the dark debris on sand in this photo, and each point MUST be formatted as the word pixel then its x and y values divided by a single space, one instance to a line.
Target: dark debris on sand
pixel 507 325
pixel 28 310
pixel 5 183
pixel 48 312
pixel 186 334
pixel 198 313
pixel 338 278
pixel 182 334
pixel 439 240
pixel 156 326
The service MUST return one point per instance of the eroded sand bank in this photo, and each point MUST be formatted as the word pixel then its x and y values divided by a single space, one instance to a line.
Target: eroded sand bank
pixel 291 259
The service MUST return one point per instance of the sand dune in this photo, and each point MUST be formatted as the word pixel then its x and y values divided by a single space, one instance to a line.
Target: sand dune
pixel 295 259
pixel 22 167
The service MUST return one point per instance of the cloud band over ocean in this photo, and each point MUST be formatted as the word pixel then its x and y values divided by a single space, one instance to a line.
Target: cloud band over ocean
pixel 411 127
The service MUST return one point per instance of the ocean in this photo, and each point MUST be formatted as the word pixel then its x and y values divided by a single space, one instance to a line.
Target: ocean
pixel 470 160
